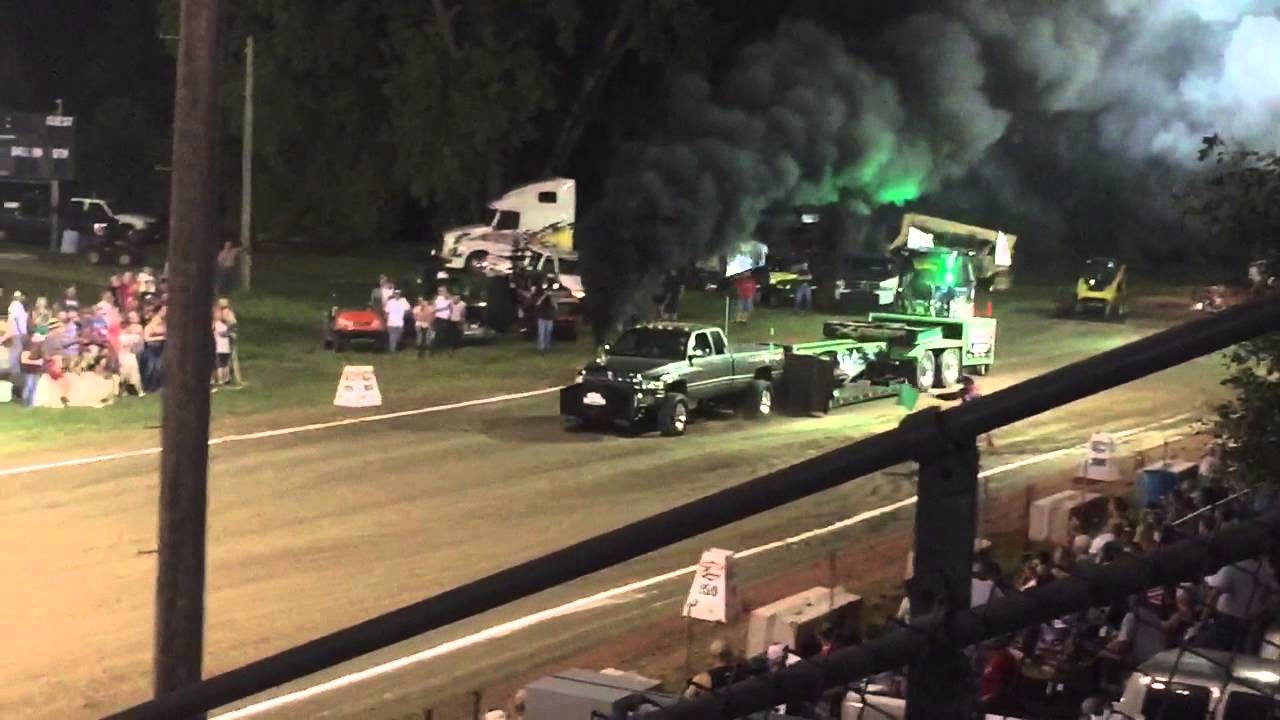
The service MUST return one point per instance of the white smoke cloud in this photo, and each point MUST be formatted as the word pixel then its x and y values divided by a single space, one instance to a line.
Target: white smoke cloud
pixel 1160 74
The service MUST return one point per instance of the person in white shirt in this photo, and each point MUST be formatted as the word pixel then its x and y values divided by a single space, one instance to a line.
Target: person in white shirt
pixel 457 321
pixel 1109 535
pixel 146 282
pixel 396 309
pixel 1239 594
pixel 221 347
pixel 442 328
pixel 17 329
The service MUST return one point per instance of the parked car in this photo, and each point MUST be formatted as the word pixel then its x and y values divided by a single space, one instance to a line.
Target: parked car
pixel 350 320
pixel 111 243
pixel 147 227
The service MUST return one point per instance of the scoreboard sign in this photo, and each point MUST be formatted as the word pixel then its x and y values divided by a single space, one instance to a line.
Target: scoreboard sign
pixel 38 147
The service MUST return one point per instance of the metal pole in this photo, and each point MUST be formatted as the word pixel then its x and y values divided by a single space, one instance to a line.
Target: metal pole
pixel 180 574
pixel 946 524
pixel 55 201
pixel 246 173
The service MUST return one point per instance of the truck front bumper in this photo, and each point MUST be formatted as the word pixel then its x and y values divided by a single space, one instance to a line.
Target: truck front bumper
pixel 605 404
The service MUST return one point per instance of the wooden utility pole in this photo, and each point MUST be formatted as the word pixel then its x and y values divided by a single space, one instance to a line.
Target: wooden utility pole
pixel 55 206
pixel 246 173
pixel 188 354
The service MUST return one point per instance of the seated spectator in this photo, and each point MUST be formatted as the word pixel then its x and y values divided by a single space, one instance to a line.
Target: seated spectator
pixel 997 693
pixel 1080 545
pixel 1114 530
pixel 724 672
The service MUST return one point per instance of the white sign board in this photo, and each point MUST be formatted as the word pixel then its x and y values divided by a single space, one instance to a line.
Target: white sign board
pixel 358 388
pixel 1004 253
pixel 714 594
pixel 918 239
pixel 1100 461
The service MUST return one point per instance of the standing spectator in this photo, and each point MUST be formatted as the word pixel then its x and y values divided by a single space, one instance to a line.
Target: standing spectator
pixel 968 393
pixel 804 294
pixel 396 309
pixel 443 305
pixel 233 334
pixel 457 321
pixel 113 293
pixel 40 316
pixel 71 299
pixel 17 329
pixel 424 318
pixel 228 260
pixel 221 348
pixel 153 335
pixel 745 286
pixel 32 363
pixel 381 294
pixel 69 343
pixel 544 312
pixel 128 291
pixel 127 356
pixel 1239 594
pixel 146 283
pixel 672 292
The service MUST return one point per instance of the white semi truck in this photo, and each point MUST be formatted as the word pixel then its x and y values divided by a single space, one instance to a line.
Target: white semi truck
pixel 542 212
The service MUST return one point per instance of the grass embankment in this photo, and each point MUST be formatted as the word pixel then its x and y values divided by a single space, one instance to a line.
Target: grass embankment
pixel 291 378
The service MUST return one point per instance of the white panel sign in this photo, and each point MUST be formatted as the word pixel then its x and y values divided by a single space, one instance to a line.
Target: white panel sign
pixel 1004 253
pixel 713 596
pixel 358 388
pixel 1100 462
pixel 918 239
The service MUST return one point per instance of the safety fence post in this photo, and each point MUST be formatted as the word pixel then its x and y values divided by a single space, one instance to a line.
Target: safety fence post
pixel 946 524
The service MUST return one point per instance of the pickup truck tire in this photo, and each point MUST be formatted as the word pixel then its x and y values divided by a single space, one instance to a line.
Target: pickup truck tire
pixel 758 402
pixel 925 371
pixel 673 416
pixel 949 370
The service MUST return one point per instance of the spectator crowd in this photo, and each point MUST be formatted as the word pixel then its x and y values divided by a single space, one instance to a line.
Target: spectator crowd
pixel 1077 665
pixel 65 353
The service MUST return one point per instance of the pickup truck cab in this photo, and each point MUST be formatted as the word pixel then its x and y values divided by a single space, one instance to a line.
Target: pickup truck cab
pixel 660 372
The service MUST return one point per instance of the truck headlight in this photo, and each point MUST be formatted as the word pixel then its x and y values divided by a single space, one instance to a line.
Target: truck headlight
pixel 579 377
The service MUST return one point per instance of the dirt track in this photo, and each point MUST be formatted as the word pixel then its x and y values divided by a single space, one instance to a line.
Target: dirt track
pixel 313 532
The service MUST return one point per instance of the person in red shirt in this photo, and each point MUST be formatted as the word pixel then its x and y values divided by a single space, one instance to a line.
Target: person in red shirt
pixel 999 673
pixel 745 285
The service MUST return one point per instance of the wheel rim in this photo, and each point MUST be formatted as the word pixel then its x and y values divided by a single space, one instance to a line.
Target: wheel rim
pixel 950 367
pixel 680 417
pixel 766 401
pixel 924 370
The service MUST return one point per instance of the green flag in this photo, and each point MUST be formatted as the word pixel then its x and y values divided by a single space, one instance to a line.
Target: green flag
pixel 908 396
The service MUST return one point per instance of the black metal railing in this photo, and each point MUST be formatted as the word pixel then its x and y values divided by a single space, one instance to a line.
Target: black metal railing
pixel 937 439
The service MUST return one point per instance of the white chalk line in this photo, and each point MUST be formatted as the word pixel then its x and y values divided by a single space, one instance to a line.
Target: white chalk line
pixel 609 596
pixel 143 452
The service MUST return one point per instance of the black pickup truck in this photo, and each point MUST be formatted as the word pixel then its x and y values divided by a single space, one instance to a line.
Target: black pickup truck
pixel 657 373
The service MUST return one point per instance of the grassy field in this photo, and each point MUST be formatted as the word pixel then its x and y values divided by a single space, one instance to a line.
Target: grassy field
pixel 291 378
